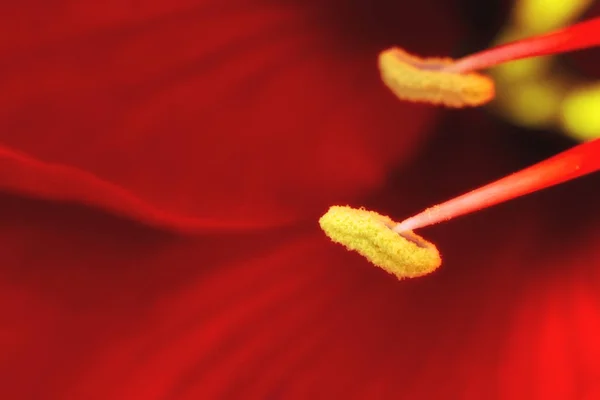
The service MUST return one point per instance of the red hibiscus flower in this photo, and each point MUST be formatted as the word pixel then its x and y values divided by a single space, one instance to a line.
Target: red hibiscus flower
pixel 163 166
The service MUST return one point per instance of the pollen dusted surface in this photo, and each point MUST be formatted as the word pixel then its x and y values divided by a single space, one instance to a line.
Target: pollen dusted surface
pixel 421 80
pixel 370 234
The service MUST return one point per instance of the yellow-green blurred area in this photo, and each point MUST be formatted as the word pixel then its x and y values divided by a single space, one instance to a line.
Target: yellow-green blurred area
pixel 539 92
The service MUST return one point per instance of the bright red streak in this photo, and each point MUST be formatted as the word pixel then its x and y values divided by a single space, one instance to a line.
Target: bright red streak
pixel 575 37
pixel 573 163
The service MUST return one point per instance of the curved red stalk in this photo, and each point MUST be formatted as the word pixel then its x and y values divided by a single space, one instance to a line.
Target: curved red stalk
pixel 573 163
pixel 579 36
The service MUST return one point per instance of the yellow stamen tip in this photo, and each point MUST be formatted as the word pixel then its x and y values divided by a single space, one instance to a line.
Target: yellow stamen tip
pixel 422 80
pixel 405 255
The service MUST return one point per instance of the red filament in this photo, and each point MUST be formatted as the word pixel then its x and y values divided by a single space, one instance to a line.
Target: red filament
pixel 575 37
pixel 570 164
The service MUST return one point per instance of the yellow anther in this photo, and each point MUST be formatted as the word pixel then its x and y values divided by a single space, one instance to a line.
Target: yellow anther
pixel 405 255
pixel 423 80
pixel 579 114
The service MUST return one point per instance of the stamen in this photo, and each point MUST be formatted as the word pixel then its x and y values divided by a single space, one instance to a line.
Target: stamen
pixel 426 80
pixel 573 163
pixel 404 255
pixel 453 83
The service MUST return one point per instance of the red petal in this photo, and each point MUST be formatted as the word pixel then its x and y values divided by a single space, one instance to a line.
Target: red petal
pixel 132 313
pixel 242 113
pixel 553 336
